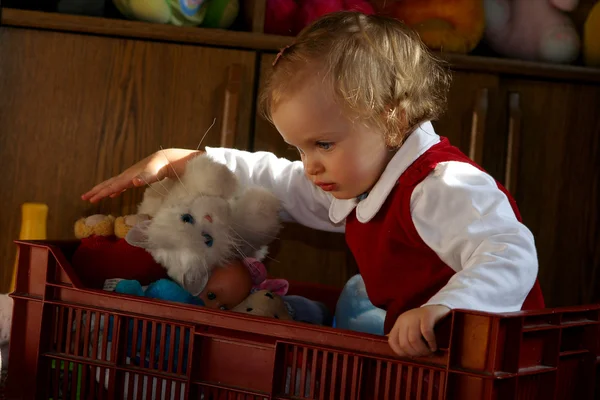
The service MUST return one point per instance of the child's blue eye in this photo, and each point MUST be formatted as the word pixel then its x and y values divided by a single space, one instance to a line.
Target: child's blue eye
pixel 208 240
pixel 187 218
pixel 325 145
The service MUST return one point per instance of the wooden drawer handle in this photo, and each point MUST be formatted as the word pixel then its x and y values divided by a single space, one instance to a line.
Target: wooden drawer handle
pixel 514 142
pixel 478 123
pixel 231 106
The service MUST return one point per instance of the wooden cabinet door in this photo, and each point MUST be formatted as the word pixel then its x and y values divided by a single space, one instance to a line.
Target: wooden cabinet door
pixel 553 170
pixel 301 254
pixel 470 119
pixel 77 109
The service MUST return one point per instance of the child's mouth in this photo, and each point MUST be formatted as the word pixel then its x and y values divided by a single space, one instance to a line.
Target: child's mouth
pixel 327 187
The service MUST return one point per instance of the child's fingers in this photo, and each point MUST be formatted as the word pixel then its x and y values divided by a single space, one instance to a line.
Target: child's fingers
pixel 393 340
pixel 109 187
pixel 415 339
pixel 428 334
pixel 92 194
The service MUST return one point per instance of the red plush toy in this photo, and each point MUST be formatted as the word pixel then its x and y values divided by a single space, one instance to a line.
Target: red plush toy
pixel 104 254
pixel 289 17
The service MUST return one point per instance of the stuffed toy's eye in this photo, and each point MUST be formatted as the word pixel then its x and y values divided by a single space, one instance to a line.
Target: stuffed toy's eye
pixel 211 296
pixel 187 218
pixel 208 240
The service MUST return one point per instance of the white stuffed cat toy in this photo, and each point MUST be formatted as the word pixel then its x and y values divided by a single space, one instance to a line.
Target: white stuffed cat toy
pixel 203 219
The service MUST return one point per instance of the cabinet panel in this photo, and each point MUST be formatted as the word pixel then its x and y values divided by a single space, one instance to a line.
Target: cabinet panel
pixel 301 253
pixel 554 132
pixel 470 120
pixel 77 109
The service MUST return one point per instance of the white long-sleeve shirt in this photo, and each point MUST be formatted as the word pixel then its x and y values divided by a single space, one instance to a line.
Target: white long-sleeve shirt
pixel 458 211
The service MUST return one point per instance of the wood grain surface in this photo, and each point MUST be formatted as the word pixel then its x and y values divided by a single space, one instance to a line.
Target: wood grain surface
pixel 77 109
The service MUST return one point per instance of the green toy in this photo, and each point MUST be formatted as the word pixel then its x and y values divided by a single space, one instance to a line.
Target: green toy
pixel 174 12
pixel 221 13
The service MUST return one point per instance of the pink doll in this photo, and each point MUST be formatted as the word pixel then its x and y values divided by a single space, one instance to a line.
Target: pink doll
pixel 240 283
pixel 230 284
pixel 536 30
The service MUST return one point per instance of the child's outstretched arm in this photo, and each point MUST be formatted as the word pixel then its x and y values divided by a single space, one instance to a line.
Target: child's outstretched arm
pixel 157 166
pixel 302 201
pixel 462 215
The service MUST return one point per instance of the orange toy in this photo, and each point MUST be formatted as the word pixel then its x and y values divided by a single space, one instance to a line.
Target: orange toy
pixel 227 286
pixel 453 26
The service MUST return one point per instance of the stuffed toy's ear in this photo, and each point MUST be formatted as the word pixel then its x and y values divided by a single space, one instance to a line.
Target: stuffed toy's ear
pixel 256 217
pixel 203 175
pixel 277 286
pixel 194 281
pixel 137 235
pixel 258 271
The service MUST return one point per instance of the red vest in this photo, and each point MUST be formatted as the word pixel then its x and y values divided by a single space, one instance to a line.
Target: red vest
pixel 399 270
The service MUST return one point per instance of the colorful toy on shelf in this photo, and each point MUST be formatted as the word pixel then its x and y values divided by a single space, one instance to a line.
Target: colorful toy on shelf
pixel 221 13
pixel 535 30
pixel 449 26
pixel 206 13
pixel 289 17
pixel 591 37
pixel 175 12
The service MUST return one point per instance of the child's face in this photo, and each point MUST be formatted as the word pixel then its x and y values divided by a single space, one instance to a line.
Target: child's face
pixel 341 157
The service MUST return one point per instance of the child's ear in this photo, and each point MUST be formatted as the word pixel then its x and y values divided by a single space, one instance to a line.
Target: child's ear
pixel 137 235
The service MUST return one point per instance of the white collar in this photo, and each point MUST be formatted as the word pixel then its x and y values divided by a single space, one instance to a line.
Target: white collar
pixel 415 145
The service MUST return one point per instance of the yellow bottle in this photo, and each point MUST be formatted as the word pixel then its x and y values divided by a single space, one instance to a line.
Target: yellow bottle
pixel 33 227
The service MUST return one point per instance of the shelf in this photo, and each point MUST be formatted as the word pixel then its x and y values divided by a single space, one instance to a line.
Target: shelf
pixel 572 73
pixel 269 43
pixel 141 30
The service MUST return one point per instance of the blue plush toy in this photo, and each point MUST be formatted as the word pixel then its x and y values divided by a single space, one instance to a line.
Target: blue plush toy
pixel 163 289
pixel 355 311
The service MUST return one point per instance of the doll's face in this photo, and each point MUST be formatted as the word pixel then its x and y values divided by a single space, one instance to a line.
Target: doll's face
pixel 227 286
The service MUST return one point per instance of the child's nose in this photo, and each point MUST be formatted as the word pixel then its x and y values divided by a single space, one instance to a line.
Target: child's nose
pixel 312 166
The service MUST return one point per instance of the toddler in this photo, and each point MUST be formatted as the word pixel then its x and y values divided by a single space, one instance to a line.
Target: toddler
pixel 429 229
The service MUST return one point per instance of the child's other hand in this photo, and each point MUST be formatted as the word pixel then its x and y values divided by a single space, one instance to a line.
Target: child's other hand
pixel 151 169
pixel 413 334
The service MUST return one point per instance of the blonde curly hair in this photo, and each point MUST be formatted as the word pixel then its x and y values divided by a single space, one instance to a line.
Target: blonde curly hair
pixel 378 69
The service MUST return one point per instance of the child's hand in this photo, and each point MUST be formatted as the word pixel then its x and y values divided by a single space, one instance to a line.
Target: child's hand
pixel 151 169
pixel 413 335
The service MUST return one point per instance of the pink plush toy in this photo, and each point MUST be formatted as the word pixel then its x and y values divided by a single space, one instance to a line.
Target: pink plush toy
pixel 536 30
pixel 289 17
pixel 258 273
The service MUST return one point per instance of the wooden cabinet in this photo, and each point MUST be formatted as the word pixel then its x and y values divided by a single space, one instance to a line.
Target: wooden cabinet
pixel 464 122
pixel 76 109
pixel 554 170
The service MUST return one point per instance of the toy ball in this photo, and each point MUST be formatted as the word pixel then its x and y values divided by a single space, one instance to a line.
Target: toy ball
pixel 221 13
pixel 354 310
pixel 174 12
pixel 591 38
